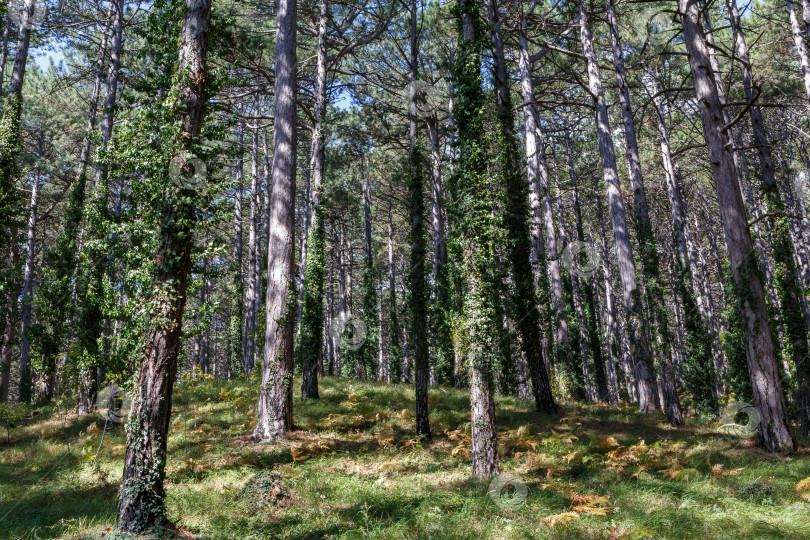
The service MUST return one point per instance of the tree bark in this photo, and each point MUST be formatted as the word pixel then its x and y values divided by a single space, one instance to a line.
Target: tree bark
pixel 275 398
pixel 517 228
pixel 798 41
pixel 235 344
pixel 4 45
pixel 312 332
pixel 142 491
pixel 639 347
pixel 251 322
pixel 28 287
pixel 10 322
pixel 768 397
pixel 416 276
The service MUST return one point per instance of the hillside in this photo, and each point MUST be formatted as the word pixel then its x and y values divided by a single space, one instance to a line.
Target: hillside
pixel 353 470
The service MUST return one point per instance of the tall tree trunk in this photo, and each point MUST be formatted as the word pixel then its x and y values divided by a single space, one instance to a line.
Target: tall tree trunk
pixel 647 243
pixel 142 491
pixel 798 41
pixel 237 304
pixel 517 227
pixel 4 45
pixel 686 284
pixel 767 387
pixel 440 310
pixel 418 298
pixel 395 349
pixel 785 271
pixel 312 313
pixel 475 230
pixel 275 398
pixel 604 372
pixel 10 323
pixel 639 347
pixel 368 347
pixel 11 143
pixel 74 231
pixel 28 287
pixel 251 322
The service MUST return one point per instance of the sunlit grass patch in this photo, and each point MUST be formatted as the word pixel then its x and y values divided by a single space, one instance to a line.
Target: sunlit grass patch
pixel 354 468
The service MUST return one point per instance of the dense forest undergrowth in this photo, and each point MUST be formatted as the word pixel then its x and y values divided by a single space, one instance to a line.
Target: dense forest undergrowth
pixel 354 468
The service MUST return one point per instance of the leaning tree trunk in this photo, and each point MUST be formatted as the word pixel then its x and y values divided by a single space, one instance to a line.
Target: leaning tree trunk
pixel 543 250
pixel 418 297
pixel 517 227
pixel 275 398
pixel 798 40
pixel 142 491
pixel 647 244
pixel 785 271
pixel 767 387
pixel 639 347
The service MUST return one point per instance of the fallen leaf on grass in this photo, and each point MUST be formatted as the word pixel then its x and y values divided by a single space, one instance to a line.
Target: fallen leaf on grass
pixel 564 517
pixel 803 489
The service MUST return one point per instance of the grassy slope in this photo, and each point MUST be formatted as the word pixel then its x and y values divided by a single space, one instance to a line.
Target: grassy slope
pixel 359 473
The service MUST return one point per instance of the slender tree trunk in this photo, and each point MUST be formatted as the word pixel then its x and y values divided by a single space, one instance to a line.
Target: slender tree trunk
pixel 4 45
pixel 251 322
pixel 142 491
pixel 235 352
pixel 768 397
pixel 28 286
pixel 395 349
pixel 275 398
pixel 785 270
pixel 604 372
pixel 11 143
pixel 639 347
pixel 74 230
pixel 312 313
pixel 418 297
pixel 517 226
pixel 10 322
pixel 798 41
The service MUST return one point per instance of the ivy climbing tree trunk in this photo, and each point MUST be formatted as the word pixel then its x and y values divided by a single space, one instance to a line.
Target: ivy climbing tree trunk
pixel 312 323
pixel 516 220
pixel 275 395
pixel 418 297
pixel 474 233
pixel 762 362
pixel 142 491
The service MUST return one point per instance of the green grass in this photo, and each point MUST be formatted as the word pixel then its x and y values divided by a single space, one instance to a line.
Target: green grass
pixel 358 472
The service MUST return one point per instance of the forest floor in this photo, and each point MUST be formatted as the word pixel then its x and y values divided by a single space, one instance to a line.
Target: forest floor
pixel 354 469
